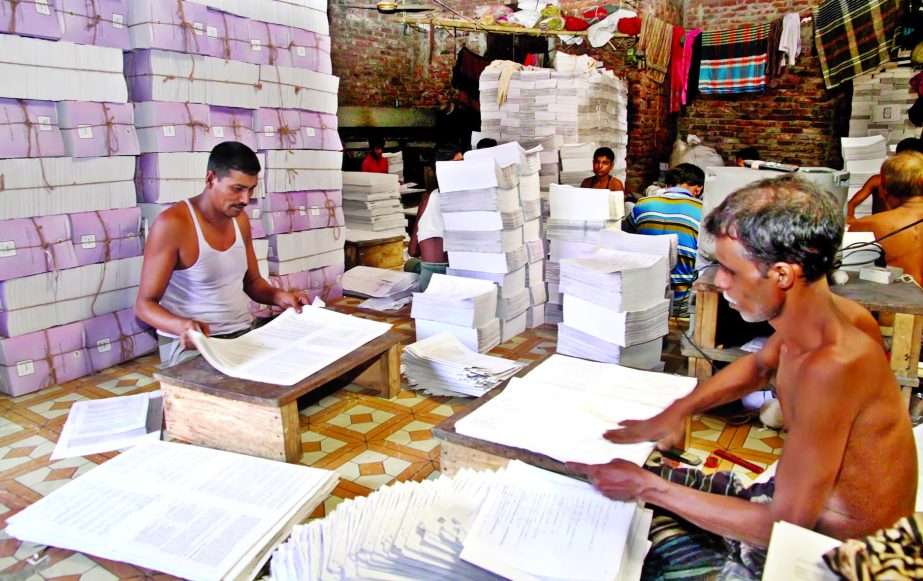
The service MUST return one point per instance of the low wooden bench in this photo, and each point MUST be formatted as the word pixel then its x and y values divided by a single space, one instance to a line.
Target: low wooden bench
pixel 205 407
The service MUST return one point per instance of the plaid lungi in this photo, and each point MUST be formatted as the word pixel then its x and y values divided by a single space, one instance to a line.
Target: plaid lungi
pixel 734 61
pixel 853 36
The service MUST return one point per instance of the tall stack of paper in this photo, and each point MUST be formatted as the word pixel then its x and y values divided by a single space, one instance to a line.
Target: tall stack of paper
pixel 576 162
pixel 464 307
pixel 441 365
pixel 577 216
pixel 575 106
pixel 863 157
pixel 483 203
pixel 184 510
pixel 520 522
pixel 585 398
pixel 372 203
pixel 614 306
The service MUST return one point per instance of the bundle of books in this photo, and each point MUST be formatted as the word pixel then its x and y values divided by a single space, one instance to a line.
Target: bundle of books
pixel 372 203
pixel 464 307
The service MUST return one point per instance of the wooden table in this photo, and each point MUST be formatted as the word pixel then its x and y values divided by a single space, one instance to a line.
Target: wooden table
pixel 457 451
pixel 205 407
pixel 902 300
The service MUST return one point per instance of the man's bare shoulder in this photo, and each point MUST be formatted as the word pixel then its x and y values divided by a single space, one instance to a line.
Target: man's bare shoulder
pixel 850 362
pixel 171 224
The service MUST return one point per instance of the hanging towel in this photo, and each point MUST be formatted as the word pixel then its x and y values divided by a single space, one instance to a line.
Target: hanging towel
pixel 790 40
pixel 654 42
pixel 694 58
pixel 734 61
pixel 677 70
pixel 852 36
pixel 774 57
pixel 467 71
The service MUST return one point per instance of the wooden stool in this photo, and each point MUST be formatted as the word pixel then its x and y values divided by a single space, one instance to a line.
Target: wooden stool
pixel 205 407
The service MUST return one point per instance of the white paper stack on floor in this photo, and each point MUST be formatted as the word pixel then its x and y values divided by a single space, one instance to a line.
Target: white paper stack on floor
pixel 518 522
pixel 372 202
pixel 582 399
pixel 464 307
pixel 577 216
pixel 614 301
pixel 366 281
pixel 184 510
pixel 441 365
pixel 483 216
pixel 863 157
pixel 576 162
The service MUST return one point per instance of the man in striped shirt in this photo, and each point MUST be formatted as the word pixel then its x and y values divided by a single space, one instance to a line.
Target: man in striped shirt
pixel 677 210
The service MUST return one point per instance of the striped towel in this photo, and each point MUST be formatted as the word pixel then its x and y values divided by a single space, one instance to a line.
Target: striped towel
pixel 734 61
pixel 655 42
pixel 852 36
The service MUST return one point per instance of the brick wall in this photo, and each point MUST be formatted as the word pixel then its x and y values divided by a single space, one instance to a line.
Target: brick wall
pixel 796 121
pixel 382 64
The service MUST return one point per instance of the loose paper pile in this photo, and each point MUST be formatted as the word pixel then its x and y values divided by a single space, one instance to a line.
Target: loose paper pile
pixel 290 347
pixel 441 365
pixel 519 523
pixel 583 399
pixel 103 425
pixel 187 511
pixel 367 281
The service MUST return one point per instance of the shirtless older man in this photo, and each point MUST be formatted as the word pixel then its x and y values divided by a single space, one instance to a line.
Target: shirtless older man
pixel 848 466
pixel 902 188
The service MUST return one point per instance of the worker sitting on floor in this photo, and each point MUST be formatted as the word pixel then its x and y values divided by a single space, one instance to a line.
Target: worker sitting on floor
pixel 199 265
pixel 902 189
pixel 676 210
pixel 603 160
pixel 848 466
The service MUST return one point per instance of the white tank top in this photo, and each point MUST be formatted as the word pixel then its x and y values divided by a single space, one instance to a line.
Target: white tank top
pixel 212 289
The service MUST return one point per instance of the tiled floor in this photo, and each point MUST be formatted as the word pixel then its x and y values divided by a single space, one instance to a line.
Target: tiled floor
pixel 367 440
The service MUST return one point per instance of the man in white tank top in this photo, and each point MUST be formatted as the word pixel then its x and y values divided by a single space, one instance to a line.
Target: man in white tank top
pixel 199 265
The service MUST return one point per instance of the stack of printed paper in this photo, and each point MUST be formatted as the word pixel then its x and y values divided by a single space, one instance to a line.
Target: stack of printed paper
pixel 520 522
pixel 372 202
pixel 187 511
pixel 464 307
pixel 614 300
pixel 441 365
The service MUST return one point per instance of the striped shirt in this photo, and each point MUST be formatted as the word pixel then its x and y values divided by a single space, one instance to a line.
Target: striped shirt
pixel 675 211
